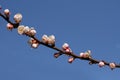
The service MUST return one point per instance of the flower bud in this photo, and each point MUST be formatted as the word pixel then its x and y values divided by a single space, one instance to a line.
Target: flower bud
pixel 9 26
pixel 68 50
pixel 56 55
pixel 65 46
pixel 21 29
pixel 45 39
pixel 34 45
pixel 87 54
pixel 18 17
pixel 32 32
pixel 52 37
pixel 112 65
pixel 51 40
pixel 26 29
pixel 82 55
pixel 101 64
pixel 7 12
pixel 71 59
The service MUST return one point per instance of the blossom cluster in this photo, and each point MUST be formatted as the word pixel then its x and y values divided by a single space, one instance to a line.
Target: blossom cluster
pixel 26 30
pixel 17 17
pixel 86 54
pixel 48 39
pixel 66 48
pixel 111 65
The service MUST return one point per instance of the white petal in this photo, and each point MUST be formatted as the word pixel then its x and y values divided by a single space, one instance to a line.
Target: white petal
pixel 21 29
pixel 26 29
pixel 18 17
pixel 45 38
pixel 52 37
pixel 34 45
pixel 32 32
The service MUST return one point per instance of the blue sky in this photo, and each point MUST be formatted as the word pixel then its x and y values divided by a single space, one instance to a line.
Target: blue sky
pixel 84 24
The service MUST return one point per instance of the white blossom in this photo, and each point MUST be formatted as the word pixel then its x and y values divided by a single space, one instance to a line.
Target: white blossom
pixel 52 37
pixel 21 29
pixel 18 17
pixel 87 54
pixel 45 39
pixel 51 40
pixel 32 32
pixel 26 29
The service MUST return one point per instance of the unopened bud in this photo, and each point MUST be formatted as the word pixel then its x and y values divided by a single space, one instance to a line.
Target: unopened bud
pixel 56 55
pixel 101 64
pixel 112 65
pixel 71 59
pixel 9 26
pixel 32 32
pixel 7 12
pixel 45 39
pixel 65 46
pixel 51 40
pixel 82 55
pixel 18 17
pixel 35 45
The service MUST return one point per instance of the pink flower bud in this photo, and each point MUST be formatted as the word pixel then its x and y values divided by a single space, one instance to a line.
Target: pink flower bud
pixel 9 26
pixel 56 55
pixel 65 46
pixel 68 50
pixel 101 64
pixel 82 55
pixel 112 65
pixel 70 60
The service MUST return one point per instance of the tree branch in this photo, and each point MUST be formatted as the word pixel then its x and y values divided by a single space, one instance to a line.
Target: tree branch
pixel 86 56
